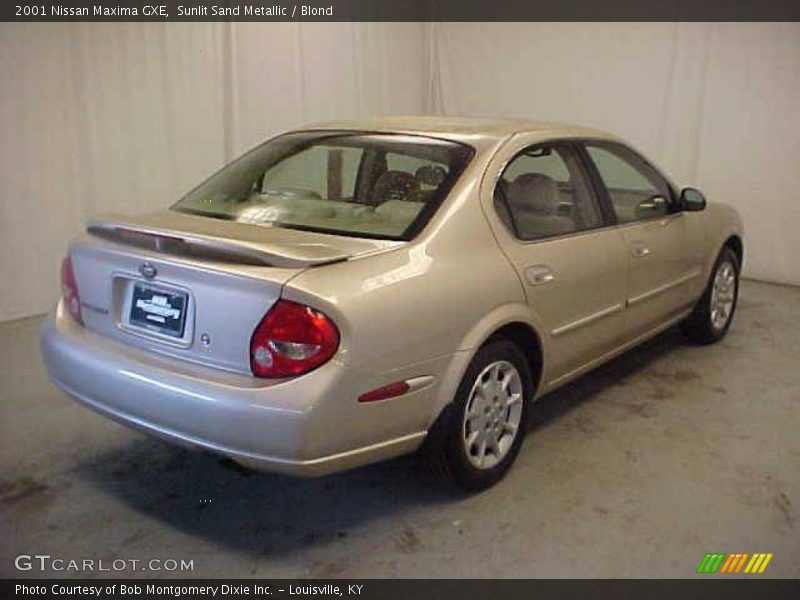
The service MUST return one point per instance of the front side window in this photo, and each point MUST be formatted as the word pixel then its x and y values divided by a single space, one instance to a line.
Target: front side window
pixel 635 189
pixel 349 183
pixel 543 193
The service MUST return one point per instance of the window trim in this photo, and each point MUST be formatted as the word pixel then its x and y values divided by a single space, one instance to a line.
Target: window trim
pixel 607 217
pixel 602 190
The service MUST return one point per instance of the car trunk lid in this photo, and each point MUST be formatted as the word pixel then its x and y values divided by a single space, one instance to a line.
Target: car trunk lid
pixel 190 287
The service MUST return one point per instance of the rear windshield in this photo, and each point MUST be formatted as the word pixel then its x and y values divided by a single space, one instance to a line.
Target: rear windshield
pixel 346 183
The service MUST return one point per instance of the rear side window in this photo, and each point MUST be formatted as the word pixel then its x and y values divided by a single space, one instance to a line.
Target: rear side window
pixel 635 189
pixel 543 193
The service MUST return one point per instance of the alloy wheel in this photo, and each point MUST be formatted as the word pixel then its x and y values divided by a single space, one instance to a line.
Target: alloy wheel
pixel 493 414
pixel 723 294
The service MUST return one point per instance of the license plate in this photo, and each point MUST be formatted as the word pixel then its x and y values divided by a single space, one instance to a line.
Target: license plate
pixel 158 309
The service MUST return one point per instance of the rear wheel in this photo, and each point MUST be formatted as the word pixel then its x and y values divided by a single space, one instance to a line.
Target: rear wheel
pixel 485 426
pixel 712 316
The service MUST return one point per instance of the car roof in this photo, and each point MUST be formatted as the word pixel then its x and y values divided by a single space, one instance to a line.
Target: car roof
pixel 462 128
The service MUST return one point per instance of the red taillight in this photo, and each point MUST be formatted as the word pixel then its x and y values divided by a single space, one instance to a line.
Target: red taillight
pixel 69 290
pixel 292 339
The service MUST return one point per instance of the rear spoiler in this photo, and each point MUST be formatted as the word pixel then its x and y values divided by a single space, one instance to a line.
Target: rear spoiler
pixel 224 249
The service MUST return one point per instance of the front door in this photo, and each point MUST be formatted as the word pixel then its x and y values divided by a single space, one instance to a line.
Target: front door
pixel 663 244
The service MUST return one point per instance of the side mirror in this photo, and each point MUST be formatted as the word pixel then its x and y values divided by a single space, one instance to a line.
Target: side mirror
pixel 692 200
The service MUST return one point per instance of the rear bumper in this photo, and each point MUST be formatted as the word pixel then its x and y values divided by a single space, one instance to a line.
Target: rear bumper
pixel 307 426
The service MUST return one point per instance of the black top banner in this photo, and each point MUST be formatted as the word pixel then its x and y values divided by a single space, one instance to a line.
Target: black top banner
pixel 400 10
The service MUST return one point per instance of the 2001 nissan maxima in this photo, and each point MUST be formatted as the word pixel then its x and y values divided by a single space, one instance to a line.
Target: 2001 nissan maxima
pixel 343 293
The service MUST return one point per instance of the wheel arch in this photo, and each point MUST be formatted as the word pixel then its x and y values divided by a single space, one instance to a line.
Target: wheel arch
pixel 516 323
pixel 527 339
pixel 734 242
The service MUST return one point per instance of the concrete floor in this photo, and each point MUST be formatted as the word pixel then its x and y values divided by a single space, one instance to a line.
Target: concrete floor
pixel 636 470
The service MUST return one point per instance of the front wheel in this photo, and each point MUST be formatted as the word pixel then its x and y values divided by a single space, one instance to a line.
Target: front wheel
pixel 712 316
pixel 488 418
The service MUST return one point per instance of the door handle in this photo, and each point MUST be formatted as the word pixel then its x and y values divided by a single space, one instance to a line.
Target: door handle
pixel 655 203
pixel 539 274
pixel 639 249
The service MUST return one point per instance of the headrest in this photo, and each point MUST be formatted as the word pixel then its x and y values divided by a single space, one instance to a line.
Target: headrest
pixel 430 175
pixel 395 185
pixel 535 193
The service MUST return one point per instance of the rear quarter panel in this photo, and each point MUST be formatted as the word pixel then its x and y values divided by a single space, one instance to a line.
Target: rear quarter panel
pixel 413 311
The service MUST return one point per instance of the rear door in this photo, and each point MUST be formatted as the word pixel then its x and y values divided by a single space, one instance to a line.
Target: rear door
pixel 664 245
pixel 571 263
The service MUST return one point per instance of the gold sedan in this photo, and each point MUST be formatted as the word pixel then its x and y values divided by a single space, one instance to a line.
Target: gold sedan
pixel 353 291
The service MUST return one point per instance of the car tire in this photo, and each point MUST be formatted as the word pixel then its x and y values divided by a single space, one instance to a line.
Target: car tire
pixel 713 313
pixel 480 434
